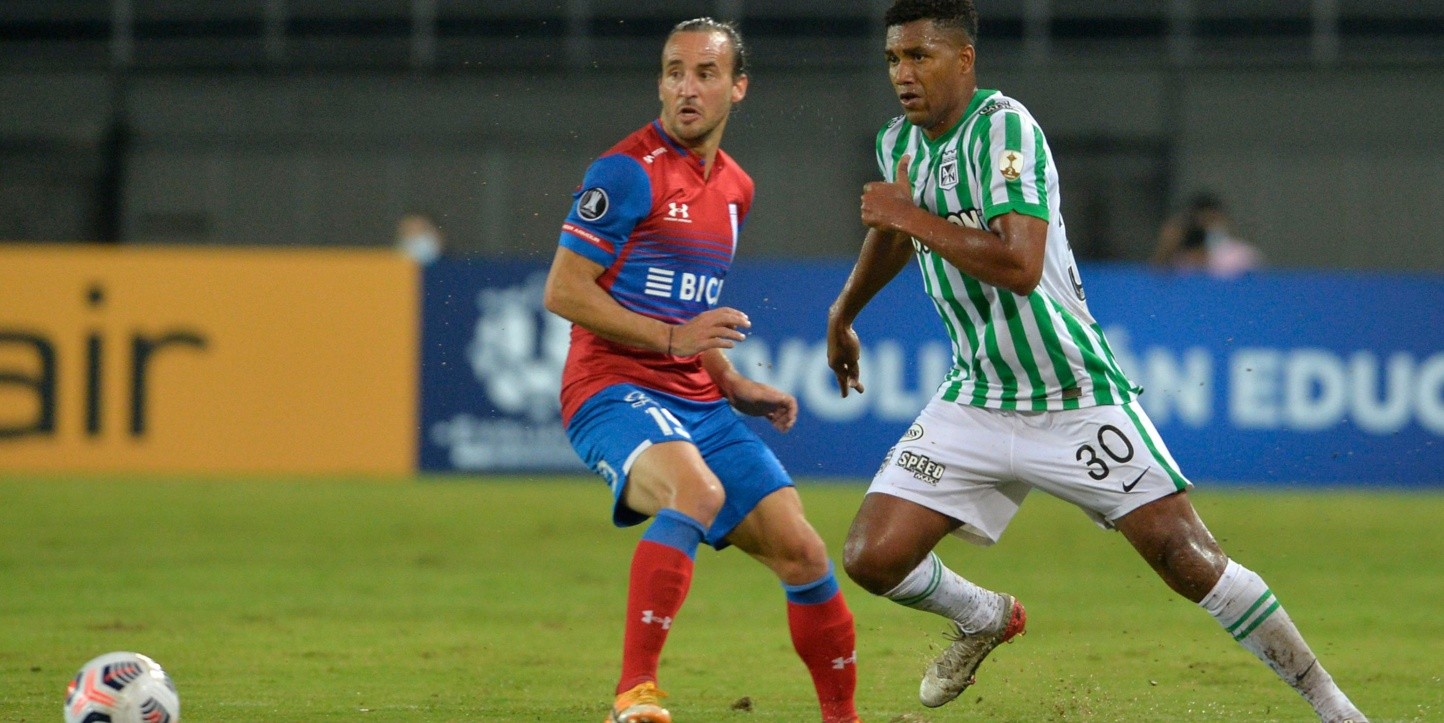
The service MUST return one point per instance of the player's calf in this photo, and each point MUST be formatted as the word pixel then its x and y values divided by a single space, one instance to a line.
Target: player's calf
pixel 1246 608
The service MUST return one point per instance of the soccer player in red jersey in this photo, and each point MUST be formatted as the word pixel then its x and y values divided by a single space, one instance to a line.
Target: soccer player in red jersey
pixel 648 394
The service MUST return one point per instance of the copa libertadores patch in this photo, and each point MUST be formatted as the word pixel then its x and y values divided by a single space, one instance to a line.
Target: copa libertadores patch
pixel 1010 164
pixel 593 204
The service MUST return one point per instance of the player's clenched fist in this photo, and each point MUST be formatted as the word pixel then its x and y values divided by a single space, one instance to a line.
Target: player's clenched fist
pixel 714 329
pixel 884 204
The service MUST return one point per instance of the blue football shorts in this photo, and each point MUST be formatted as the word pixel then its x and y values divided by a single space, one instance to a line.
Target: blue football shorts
pixel 612 429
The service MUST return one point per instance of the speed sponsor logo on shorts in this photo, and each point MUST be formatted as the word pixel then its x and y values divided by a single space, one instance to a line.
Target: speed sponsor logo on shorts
pixel 922 467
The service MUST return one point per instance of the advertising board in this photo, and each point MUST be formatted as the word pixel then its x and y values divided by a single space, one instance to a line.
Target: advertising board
pixel 1276 377
pixel 141 359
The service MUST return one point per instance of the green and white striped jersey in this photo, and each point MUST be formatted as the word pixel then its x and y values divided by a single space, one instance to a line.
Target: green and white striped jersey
pixel 1038 352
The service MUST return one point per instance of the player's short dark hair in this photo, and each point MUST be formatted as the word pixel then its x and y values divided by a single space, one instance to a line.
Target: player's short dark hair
pixel 956 14
pixel 726 27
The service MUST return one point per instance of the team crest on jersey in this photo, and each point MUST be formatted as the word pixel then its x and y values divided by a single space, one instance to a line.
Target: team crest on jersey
pixel 1010 164
pixel 948 169
pixel 593 204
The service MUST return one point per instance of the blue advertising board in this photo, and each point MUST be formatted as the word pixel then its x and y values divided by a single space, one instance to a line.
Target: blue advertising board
pixel 1277 377
pixel 491 365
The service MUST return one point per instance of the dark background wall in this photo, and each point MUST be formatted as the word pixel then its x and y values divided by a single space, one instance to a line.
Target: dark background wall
pixel 291 122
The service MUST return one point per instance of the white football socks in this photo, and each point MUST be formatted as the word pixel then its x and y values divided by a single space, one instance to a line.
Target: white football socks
pixel 931 586
pixel 1246 608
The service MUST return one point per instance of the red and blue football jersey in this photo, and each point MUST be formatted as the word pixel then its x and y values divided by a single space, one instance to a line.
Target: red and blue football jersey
pixel 666 236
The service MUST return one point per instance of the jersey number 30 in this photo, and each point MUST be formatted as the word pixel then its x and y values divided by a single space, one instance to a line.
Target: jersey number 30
pixel 1098 469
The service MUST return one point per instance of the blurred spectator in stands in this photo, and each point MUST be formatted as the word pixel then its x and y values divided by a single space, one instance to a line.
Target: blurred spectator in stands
pixel 418 237
pixel 1202 237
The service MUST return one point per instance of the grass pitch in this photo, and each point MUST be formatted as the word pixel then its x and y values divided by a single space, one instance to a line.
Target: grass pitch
pixel 501 599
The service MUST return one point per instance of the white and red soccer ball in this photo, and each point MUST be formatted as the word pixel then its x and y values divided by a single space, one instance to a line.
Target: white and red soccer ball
pixel 121 688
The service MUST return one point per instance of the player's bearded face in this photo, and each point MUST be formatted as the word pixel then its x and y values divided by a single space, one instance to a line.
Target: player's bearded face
pixel 697 88
pixel 931 70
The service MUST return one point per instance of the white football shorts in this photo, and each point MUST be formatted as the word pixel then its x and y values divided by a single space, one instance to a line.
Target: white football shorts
pixel 976 465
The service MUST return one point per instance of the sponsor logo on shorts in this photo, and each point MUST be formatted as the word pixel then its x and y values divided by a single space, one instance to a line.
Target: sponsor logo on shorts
pixel 914 433
pixel 638 399
pixel 922 467
pixel 886 460
pixel 1129 487
pixel 607 473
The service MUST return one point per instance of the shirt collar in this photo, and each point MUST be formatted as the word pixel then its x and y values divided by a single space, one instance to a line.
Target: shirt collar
pixel 680 149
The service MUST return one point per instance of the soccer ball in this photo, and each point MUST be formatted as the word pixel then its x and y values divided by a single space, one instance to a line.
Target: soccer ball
pixel 121 688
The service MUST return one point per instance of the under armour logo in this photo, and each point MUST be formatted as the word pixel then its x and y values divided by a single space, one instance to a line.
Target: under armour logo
pixel 840 663
pixel 678 210
pixel 649 618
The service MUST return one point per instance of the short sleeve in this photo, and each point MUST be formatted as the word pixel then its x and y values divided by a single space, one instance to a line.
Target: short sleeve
pixel 615 196
pixel 743 209
pixel 1012 164
pixel 890 145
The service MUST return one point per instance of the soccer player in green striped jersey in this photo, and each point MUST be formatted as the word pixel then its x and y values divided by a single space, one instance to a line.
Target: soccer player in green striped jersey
pixel 1035 398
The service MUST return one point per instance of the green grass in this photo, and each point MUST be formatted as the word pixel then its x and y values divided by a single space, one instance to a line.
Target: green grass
pixel 501 600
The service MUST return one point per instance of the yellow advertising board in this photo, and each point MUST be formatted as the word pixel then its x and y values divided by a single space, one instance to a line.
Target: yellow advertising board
pixel 183 360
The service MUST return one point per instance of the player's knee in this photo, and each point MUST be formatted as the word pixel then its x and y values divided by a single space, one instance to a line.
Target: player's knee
pixel 1191 567
pixel 702 498
pixel 802 559
pixel 1175 542
pixel 869 567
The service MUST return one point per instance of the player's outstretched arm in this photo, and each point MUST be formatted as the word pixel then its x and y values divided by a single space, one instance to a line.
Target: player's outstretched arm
pixel 748 396
pixel 573 294
pixel 883 255
pixel 1008 255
